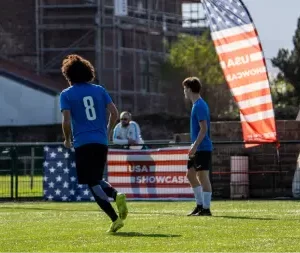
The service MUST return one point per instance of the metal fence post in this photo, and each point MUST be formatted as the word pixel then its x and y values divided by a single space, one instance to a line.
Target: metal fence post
pixel 32 166
pixel 12 174
pixel 14 158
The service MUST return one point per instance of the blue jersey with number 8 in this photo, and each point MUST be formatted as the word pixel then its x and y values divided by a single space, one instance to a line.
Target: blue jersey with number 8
pixel 87 104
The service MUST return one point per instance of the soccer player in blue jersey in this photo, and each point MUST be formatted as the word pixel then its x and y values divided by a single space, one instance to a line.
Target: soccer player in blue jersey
pixel 200 153
pixel 84 106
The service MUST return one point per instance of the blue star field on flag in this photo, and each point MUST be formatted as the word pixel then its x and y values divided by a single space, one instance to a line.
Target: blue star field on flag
pixel 60 179
pixel 225 14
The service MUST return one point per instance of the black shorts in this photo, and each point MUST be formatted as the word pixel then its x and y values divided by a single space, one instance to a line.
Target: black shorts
pixel 201 161
pixel 90 162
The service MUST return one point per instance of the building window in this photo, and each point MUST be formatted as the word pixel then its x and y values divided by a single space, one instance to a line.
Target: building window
pixel 148 77
pixel 192 15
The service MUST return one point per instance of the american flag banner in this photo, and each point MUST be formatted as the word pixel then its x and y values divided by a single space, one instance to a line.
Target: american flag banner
pixel 60 179
pixel 141 174
pixel 150 174
pixel 241 58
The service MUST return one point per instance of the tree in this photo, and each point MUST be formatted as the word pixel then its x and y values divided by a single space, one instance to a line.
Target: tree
pixel 289 65
pixel 282 92
pixel 196 56
pixel 284 99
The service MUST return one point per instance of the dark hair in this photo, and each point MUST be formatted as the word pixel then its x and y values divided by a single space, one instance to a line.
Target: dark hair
pixel 193 83
pixel 77 69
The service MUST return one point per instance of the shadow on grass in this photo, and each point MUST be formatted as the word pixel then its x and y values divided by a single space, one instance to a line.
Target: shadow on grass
pixel 48 209
pixel 244 218
pixel 17 208
pixel 138 234
pixel 95 209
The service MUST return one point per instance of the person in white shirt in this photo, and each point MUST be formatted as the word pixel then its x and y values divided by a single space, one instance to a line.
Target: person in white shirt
pixel 127 132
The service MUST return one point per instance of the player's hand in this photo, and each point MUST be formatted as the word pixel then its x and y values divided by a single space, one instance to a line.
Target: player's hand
pixel 67 144
pixel 131 142
pixel 192 151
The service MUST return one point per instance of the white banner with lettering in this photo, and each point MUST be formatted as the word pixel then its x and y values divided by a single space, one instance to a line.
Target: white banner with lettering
pixel 150 174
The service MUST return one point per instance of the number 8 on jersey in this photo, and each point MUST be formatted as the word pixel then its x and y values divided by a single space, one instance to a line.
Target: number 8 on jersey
pixel 89 108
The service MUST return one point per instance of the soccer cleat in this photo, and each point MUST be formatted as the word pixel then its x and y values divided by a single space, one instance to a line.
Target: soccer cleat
pixel 115 226
pixel 196 210
pixel 204 212
pixel 121 205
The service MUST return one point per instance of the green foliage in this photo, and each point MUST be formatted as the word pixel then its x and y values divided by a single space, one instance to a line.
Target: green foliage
pixel 282 93
pixel 287 100
pixel 284 99
pixel 192 55
pixel 289 65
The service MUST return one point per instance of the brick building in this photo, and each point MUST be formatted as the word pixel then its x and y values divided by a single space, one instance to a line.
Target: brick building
pixel 124 47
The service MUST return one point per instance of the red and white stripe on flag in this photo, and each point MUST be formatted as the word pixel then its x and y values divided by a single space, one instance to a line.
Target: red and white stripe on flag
pixel 150 174
pixel 241 57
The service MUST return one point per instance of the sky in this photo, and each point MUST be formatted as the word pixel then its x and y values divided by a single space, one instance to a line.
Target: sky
pixel 276 22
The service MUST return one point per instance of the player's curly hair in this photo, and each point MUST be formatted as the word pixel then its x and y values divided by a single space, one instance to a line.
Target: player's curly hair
pixel 76 69
pixel 193 83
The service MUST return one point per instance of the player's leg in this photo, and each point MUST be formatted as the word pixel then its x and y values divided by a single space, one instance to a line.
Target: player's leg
pixel 107 188
pixel 88 164
pixel 204 175
pixel 196 186
pixel 110 191
pixel 100 152
pixel 119 197
pixel 103 202
pixel 207 192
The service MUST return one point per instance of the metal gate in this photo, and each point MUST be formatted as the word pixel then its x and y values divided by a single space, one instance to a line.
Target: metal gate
pixel 21 172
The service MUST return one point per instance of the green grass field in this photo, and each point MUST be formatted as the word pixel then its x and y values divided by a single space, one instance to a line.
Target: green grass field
pixel 25 188
pixel 237 226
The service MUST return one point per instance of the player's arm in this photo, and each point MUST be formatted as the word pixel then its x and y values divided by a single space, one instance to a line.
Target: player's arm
pixel 201 134
pixel 113 117
pixel 113 111
pixel 66 118
pixel 201 118
pixel 66 125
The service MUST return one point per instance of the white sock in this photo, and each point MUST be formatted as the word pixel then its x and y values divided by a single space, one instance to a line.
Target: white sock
pixel 206 200
pixel 198 195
